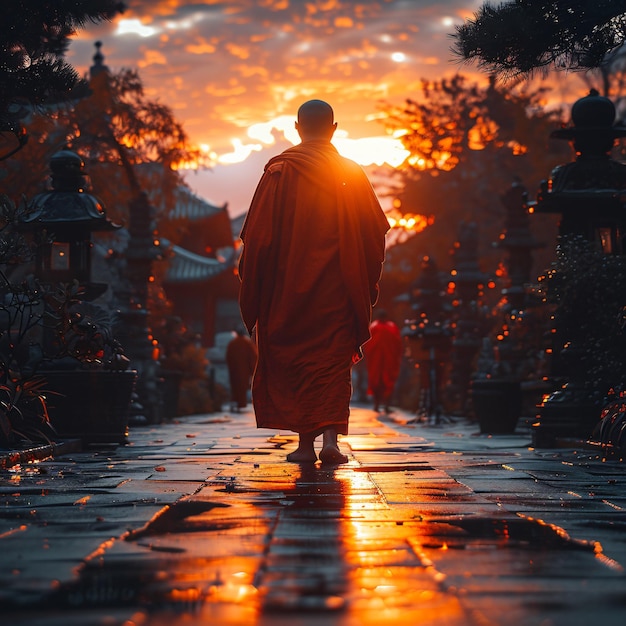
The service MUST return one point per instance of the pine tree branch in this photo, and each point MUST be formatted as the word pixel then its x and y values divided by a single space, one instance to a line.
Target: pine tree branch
pixel 522 36
pixel 34 36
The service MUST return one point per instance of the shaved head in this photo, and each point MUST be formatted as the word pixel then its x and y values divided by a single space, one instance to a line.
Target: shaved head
pixel 315 113
pixel 315 120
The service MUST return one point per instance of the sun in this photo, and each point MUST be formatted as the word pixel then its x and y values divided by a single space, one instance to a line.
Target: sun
pixel 364 151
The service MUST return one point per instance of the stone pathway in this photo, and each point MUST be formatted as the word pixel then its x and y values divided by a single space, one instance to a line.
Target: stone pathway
pixel 202 522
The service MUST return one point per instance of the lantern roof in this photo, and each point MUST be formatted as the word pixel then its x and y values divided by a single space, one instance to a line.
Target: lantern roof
pixel 67 203
pixel 591 115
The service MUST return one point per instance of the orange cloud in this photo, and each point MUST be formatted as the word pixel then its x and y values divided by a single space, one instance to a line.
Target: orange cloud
pixel 267 56
pixel 200 48
pixel 232 89
pixel 344 22
pixel 238 51
pixel 247 71
pixel 152 57
pixel 275 5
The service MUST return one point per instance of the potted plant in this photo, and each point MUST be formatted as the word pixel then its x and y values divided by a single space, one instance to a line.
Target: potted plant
pixel 23 412
pixel 495 393
pixel 88 383
pixel 610 432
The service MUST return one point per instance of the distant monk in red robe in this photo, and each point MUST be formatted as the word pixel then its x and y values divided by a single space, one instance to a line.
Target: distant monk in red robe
pixel 241 361
pixel 314 244
pixel 383 355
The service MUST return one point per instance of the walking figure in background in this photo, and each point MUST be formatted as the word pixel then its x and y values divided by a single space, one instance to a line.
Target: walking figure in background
pixel 383 356
pixel 313 248
pixel 241 357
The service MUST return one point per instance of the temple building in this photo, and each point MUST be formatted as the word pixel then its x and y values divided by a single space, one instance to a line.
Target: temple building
pixel 201 279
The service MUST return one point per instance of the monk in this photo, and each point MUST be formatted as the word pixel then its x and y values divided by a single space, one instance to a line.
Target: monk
pixel 241 361
pixel 383 355
pixel 313 248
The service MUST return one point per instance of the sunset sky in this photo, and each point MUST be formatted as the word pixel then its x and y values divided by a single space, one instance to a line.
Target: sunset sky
pixel 235 72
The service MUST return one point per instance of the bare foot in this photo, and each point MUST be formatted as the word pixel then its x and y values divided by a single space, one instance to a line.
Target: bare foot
pixel 331 455
pixel 302 456
pixel 305 452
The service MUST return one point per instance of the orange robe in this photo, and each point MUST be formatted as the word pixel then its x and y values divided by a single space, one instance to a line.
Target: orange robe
pixel 383 354
pixel 241 361
pixel 314 242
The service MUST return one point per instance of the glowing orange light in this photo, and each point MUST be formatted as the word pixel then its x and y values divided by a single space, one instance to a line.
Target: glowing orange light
pixel 185 595
pixel 8 533
pixel 412 222
pixel 517 148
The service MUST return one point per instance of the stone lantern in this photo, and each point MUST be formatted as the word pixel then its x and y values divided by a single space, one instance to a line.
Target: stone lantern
pixel 90 402
pixel 432 328
pixel 467 284
pixel 590 196
pixel 519 243
pixel 590 193
pixel 68 215
pixel 510 358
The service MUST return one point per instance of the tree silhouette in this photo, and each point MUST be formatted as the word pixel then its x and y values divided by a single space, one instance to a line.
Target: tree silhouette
pixel 34 36
pixel 521 36
pixel 467 145
pixel 117 127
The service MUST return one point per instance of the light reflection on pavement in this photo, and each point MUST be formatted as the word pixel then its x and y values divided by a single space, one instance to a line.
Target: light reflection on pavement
pixel 421 527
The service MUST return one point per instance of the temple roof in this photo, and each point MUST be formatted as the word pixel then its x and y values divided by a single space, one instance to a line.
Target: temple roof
pixel 185 266
pixel 191 206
